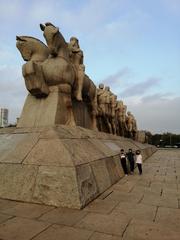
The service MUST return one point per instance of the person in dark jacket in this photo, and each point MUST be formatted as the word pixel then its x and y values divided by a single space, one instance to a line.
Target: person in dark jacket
pixel 130 157
pixel 123 162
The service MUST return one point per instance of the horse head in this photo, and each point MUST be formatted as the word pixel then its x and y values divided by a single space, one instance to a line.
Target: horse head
pixel 32 48
pixel 54 38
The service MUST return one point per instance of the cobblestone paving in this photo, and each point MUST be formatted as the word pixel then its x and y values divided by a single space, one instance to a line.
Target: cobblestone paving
pixel 136 208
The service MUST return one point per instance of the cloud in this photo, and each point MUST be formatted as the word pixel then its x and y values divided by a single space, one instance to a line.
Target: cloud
pixel 153 98
pixel 140 88
pixel 159 114
pixel 12 91
pixel 116 78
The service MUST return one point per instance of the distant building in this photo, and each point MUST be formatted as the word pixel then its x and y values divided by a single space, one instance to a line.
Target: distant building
pixel 3 117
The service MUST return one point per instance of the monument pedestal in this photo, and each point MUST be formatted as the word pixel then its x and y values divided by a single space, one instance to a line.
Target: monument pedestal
pixel 57 108
pixel 60 166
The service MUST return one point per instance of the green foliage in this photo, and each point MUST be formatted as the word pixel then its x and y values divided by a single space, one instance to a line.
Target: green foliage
pixel 165 139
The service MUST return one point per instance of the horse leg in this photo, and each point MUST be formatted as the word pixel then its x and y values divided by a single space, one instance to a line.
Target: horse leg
pixel 34 79
pixel 66 115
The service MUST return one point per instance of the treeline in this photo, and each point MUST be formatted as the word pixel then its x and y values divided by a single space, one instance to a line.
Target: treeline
pixel 165 139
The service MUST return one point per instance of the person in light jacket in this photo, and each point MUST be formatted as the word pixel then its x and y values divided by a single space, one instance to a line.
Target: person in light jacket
pixel 139 161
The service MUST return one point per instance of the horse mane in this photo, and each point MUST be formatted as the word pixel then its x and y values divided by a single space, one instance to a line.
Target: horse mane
pixel 34 39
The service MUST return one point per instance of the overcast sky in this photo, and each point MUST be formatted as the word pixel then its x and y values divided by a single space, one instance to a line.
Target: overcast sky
pixel 133 46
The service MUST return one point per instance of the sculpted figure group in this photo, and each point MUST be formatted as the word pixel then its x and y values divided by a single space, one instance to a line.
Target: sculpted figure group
pixel 60 63
pixel 112 117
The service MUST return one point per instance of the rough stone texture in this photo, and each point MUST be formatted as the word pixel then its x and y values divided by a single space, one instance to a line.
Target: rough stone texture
pixel 17 181
pixel 63 232
pixel 21 228
pixel 44 111
pixel 105 223
pixel 60 166
pixel 57 186
pixel 63 216
pixel 121 217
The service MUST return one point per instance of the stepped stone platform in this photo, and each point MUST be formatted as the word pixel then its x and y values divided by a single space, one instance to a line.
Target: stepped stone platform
pixel 137 207
pixel 60 166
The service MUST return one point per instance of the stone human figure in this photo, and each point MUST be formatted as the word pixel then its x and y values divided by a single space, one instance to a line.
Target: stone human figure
pixel 121 118
pixel 76 56
pixel 124 120
pixel 108 95
pixel 101 105
pixel 134 128
pixel 113 105
pixel 129 122
pixel 103 101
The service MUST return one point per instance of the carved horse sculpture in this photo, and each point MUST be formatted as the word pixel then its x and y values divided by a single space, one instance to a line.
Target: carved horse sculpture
pixel 58 69
pixel 51 66
pixel 33 51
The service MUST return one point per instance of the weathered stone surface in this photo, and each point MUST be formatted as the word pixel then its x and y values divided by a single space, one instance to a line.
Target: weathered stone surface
pixel 105 223
pixel 145 230
pixel 171 215
pixel 102 206
pixel 26 210
pixel 63 216
pixel 4 217
pixel 49 152
pixel 15 147
pixel 88 189
pixel 63 232
pixel 17 181
pixel 39 112
pixel 136 211
pixel 101 174
pixel 102 236
pixel 82 151
pixel 21 228
pixel 112 170
pixel 57 186
pixel 156 200
pixel 60 166
pixel 4 204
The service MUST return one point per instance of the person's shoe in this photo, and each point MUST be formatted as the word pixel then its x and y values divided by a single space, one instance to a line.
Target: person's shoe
pixel 126 175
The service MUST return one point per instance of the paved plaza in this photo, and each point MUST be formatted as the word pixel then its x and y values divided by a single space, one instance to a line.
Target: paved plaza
pixel 136 208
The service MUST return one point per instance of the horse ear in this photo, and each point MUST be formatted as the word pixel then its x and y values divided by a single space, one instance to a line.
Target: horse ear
pixel 42 27
pixel 57 29
pixel 18 38
pixel 49 24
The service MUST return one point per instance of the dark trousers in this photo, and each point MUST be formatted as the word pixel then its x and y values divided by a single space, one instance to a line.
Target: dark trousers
pixel 139 168
pixel 131 163
pixel 124 166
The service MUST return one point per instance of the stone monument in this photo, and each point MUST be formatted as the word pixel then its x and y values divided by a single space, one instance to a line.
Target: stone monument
pixel 56 155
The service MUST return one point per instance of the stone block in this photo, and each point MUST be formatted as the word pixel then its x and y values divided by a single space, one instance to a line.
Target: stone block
pixel 101 175
pixel 57 186
pixel 49 152
pixel 88 189
pixel 21 229
pixel 63 232
pixel 17 181
pixel 15 147
pixel 63 216
pixel 105 223
pixel 60 165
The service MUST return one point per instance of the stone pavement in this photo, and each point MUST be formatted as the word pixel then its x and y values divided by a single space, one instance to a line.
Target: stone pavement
pixel 136 208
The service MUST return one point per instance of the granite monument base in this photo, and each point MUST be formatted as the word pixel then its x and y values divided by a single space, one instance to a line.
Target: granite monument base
pixel 60 166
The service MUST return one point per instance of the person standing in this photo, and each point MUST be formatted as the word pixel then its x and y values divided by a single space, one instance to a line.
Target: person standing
pixel 139 161
pixel 130 157
pixel 123 162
